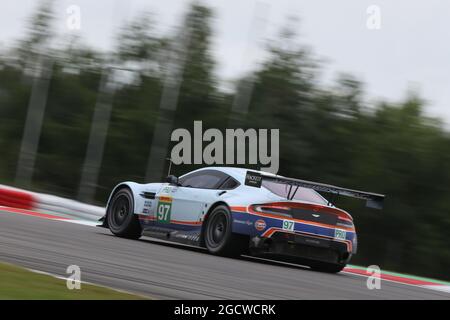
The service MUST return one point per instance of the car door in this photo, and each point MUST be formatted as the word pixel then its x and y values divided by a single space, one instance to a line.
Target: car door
pixel 182 207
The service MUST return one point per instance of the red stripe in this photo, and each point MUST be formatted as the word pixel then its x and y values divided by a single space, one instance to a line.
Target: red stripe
pixel 186 222
pixel 151 218
pixel 16 199
pixel 391 277
pixel 239 209
pixel 143 217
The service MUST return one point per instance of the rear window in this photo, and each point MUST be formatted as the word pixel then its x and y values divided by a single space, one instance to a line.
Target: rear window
pixel 302 194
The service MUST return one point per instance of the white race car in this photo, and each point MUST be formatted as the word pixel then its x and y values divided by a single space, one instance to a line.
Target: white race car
pixel 232 211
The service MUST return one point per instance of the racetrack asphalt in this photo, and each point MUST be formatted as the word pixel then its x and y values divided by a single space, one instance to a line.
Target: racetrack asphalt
pixel 164 271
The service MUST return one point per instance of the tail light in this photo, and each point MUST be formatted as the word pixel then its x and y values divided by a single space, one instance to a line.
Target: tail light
pixel 344 222
pixel 279 210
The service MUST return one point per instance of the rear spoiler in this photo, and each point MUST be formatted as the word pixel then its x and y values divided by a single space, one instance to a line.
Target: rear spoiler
pixel 373 200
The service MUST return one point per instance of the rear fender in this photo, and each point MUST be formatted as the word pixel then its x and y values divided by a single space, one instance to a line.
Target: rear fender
pixel 205 218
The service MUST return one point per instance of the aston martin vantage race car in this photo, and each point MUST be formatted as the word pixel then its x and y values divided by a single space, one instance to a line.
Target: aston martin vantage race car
pixel 233 211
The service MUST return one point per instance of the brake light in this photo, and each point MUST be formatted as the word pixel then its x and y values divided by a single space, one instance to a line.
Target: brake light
pixel 273 209
pixel 282 208
pixel 343 222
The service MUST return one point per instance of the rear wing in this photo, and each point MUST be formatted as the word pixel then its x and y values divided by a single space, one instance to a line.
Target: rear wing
pixel 373 200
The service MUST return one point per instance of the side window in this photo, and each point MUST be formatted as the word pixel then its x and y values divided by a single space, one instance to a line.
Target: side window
pixel 229 184
pixel 205 179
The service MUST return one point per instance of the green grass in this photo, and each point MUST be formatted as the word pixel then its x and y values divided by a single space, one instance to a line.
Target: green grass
pixel 19 283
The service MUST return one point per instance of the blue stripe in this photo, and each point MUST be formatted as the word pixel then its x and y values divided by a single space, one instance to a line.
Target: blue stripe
pixel 245 223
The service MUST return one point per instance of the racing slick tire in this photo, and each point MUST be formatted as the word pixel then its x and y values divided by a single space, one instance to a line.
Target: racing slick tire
pixel 218 237
pixel 121 220
pixel 327 267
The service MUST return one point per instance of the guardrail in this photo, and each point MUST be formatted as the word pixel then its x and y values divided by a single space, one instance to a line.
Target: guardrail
pixel 47 203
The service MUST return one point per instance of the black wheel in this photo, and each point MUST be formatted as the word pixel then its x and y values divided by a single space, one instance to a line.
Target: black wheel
pixel 218 237
pixel 327 267
pixel 121 220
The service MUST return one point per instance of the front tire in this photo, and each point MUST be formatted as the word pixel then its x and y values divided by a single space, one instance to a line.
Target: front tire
pixel 121 218
pixel 218 236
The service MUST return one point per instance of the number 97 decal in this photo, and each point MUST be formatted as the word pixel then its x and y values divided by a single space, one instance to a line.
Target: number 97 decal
pixel 163 210
pixel 288 225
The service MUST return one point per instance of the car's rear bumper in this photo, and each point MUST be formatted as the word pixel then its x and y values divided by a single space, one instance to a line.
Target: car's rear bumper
pixel 298 248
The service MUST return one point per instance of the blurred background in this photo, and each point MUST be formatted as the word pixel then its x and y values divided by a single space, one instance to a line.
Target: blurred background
pixel 83 108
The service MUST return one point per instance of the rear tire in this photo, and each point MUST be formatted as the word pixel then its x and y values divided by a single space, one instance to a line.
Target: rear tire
pixel 120 216
pixel 218 237
pixel 327 267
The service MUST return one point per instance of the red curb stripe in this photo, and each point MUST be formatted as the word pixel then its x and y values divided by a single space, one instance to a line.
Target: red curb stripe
pixel 16 199
pixel 400 279
pixel 33 213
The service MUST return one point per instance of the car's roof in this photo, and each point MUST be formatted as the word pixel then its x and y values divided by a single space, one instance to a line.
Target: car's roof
pixel 240 173
pixel 235 172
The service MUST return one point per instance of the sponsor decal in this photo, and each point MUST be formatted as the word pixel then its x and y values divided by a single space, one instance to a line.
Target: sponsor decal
pixel 340 234
pixel 288 225
pixel 253 179
pixel 164 209
pixel 247 222
pixel 147 207
pixel 166 189
pixel 147 203
pixel 260 225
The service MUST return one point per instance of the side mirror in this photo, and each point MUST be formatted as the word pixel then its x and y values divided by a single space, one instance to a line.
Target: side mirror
pixel 172 180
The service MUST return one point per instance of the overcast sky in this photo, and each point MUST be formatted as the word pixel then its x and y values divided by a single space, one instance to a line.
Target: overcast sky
pixel 410 50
